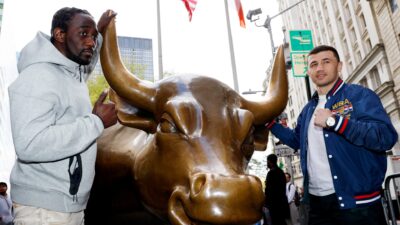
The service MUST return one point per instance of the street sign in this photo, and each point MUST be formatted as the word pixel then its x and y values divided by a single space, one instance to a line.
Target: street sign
pixel 299 63
pixel 301 40
pixel 283 151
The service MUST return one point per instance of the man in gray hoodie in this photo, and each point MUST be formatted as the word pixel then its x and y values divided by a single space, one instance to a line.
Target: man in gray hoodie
pixel 53 125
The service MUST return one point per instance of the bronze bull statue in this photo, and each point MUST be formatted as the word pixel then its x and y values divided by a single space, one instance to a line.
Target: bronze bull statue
pixel 182 148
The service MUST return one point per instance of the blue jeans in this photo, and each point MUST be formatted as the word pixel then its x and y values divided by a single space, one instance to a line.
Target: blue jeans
pixel 326 211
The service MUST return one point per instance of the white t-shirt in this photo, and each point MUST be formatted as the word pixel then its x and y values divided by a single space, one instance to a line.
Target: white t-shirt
pixel 319 171
pixel 290 190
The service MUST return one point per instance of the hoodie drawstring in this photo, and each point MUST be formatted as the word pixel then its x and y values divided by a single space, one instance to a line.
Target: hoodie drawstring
pixel 80 74
pixel 75 175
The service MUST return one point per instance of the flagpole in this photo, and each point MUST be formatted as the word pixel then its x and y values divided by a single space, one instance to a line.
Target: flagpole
pixel 160 63
pixel 232 52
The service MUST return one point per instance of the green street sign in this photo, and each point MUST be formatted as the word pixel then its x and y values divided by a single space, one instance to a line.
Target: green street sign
pixel 301 40
pixel 299 63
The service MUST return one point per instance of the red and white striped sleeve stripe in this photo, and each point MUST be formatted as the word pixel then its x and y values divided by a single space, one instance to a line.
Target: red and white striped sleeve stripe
pixel 341 124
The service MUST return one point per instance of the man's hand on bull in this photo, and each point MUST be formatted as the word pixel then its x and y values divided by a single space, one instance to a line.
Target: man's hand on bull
pixel 105 111
pixel 105 20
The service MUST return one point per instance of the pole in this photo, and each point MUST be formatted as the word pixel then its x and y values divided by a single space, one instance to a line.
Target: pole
pixel 287 9
pixel 267 25
pixel 307 80
pixel 231 50
pixel 160 63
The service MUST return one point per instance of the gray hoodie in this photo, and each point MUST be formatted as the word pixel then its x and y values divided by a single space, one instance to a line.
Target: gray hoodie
pixel 52 123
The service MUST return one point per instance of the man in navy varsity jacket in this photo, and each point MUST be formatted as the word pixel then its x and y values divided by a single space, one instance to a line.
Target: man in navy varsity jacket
pixel 343 134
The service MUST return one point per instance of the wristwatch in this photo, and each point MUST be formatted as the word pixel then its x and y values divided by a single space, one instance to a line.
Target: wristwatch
pixel 330 122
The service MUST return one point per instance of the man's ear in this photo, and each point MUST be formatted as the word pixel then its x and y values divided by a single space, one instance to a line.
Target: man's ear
pixel 59 35
pixel 339 67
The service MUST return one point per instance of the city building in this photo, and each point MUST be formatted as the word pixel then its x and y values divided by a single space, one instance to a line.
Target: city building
pixel 1 12
pixel 8 72
pixel 387 16
pixel 366 35
pixel 137 55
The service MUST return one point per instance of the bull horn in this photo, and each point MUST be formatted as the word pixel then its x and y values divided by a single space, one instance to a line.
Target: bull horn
pixel 123 82
pixel 276 96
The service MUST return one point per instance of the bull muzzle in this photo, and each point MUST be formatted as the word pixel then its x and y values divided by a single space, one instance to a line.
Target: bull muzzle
pixel 217 199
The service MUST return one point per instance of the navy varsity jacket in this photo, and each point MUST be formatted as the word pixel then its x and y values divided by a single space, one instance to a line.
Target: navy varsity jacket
pixel 356 145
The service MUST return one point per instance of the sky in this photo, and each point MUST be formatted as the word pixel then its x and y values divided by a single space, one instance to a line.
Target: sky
pixel 197 47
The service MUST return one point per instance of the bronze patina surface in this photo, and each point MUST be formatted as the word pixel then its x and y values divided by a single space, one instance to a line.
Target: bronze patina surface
pixel 181 149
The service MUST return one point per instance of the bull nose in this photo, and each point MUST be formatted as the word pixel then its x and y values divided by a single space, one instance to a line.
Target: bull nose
pixel 219 199
pixel 197 183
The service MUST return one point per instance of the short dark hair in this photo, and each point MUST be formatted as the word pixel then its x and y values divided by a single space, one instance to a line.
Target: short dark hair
pixel 62 18
pixel 322 48
pixel 290 176
pixel 3 184
pixel 272 158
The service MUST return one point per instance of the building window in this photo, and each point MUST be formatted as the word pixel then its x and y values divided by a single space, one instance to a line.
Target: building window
pixel 375 79
pixel 363 82
pixel 358 56
pixel 347 15
pixel 353 37
pixel 368 45
pixel 393 5
pixel 340 25
pixel 350 64
pixel 362 22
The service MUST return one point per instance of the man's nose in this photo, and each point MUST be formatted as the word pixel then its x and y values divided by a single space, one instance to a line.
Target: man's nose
pixel 90 42
pixel 320 66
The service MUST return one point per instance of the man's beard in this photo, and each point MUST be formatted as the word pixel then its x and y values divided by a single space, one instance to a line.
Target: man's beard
pixel 77 58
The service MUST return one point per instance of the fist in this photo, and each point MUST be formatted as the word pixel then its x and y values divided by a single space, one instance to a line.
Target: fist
pixel 321 115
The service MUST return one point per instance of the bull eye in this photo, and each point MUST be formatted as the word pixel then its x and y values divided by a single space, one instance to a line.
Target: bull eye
pixel 167 126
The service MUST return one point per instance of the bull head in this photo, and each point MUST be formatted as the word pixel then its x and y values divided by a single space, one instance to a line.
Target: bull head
pixel 201 139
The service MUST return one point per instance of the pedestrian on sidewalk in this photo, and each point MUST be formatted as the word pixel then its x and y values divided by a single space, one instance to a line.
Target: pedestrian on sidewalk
pixel 6 208
pixel 291 194
pixel 275 192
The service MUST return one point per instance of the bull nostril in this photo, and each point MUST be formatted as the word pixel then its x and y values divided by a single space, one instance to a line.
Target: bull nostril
pixel 197 184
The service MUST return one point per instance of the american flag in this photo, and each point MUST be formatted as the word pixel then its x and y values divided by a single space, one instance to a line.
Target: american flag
pixel 240 13
pixel 190 6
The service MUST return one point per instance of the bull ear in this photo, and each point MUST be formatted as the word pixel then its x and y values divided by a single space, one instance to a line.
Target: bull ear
pixel 131 116
pixel 261 138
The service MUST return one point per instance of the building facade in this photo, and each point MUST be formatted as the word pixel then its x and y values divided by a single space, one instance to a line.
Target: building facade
pixel 8 72
pixel 1 12
pixel 366 35
pixel 137 56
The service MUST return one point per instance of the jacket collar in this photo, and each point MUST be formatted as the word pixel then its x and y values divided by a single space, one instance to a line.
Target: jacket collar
pixel 338 85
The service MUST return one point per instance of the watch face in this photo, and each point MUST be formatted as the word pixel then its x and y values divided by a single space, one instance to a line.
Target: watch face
pixel 330 121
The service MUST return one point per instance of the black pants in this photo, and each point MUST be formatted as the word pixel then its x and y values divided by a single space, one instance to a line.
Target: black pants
pixel 278 216
pixel 326 211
